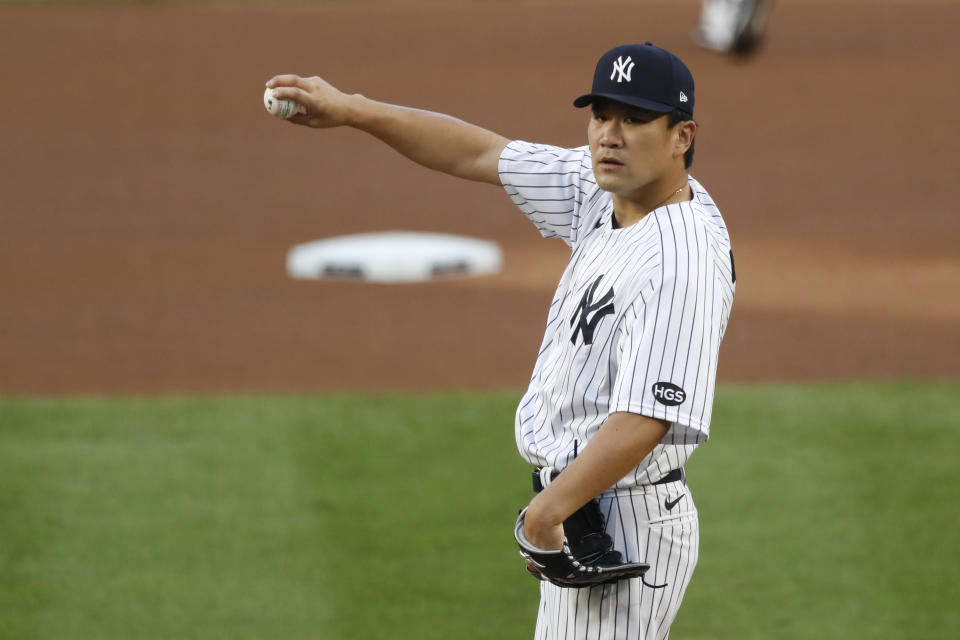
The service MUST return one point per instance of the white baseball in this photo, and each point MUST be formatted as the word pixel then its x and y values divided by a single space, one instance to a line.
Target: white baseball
pixel 279 108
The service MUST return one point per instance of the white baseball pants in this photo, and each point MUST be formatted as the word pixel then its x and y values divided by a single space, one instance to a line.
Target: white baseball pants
pixel 657 524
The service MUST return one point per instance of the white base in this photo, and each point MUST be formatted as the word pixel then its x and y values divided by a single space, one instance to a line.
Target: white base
pixel 392 257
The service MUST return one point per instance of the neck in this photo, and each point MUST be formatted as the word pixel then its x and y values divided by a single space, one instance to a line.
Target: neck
pixel 632 208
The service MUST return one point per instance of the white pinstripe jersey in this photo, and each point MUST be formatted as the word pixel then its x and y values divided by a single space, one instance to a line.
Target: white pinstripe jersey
pixel 637 319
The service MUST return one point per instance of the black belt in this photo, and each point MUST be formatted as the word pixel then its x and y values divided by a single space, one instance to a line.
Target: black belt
pixel 672 476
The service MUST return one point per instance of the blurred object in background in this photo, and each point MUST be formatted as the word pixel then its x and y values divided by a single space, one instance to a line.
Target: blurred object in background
pixel 732 26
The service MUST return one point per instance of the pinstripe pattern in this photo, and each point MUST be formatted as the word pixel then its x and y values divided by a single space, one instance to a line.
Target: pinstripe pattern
pixel 639 312
pixel 641 527
pixel 673 289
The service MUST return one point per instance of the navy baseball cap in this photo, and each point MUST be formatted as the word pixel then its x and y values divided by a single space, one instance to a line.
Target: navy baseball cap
pixel 643 76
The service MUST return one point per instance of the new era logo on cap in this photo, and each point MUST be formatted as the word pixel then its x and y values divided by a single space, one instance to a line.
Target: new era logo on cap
pixel 643 76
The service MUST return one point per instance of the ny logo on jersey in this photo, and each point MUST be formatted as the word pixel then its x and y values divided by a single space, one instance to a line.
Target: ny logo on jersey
pixel 620 67
pixel 600 308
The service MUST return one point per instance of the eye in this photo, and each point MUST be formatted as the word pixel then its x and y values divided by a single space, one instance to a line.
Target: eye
pixel 640 117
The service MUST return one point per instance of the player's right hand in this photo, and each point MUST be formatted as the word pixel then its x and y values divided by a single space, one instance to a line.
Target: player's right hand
pixel 325 105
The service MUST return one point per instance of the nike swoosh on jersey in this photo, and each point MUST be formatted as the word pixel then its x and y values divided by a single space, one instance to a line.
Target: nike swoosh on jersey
pixel 670 504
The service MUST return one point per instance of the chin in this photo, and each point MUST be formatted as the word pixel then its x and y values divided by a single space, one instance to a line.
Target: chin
pixel 616 187
pixel 607 183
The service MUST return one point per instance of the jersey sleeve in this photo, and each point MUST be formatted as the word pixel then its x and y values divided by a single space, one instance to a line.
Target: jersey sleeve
pixel 548 184
pixel 668 348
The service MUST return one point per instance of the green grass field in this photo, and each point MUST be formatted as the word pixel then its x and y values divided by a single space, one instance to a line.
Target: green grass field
pixel 826 512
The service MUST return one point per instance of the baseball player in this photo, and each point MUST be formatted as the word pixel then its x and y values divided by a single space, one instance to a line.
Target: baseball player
pixel 732 26
pixel 622 389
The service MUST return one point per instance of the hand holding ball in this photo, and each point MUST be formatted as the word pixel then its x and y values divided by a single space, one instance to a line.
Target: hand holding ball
pixel 280 108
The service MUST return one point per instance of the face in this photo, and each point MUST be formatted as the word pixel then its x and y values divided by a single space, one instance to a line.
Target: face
pixel 632 149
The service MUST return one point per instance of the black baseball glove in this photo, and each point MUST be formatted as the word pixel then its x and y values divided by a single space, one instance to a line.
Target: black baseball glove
pixel 587 557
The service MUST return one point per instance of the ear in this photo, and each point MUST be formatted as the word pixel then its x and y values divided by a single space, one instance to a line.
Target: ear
pixel 685 132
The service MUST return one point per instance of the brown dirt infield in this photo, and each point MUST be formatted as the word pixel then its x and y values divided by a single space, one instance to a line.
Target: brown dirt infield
pixel 148 201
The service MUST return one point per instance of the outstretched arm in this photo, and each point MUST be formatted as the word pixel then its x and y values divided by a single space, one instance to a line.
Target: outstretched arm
pixel 434 140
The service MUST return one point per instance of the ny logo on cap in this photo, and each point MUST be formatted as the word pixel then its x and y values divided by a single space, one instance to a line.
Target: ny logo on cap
pixel 620 67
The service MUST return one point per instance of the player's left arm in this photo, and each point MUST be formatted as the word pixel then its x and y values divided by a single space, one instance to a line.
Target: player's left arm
pixel 623 441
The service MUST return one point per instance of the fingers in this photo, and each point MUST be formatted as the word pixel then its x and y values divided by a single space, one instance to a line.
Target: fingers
pixel 288 80
pixel 296 94
pixel 321 105
pixel 290 86
pixel 304 91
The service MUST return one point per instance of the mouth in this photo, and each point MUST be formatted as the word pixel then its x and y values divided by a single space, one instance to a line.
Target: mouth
pixel 609 162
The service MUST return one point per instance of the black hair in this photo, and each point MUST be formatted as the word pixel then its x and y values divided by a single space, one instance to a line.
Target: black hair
pixel 674 118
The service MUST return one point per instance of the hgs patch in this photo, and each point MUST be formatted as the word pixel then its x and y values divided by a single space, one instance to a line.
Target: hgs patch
pixel 669 394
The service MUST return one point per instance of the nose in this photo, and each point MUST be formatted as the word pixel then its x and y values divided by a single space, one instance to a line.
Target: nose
pixel 610 134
